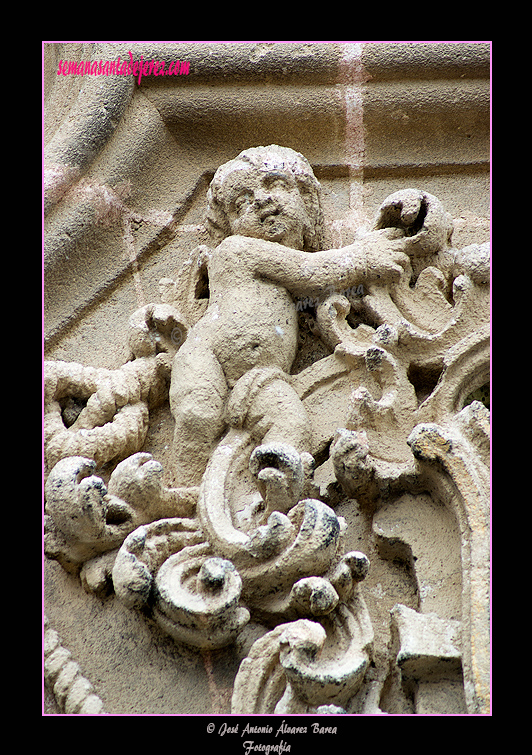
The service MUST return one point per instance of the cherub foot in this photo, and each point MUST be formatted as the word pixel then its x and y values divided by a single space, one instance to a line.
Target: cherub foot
pixel 280 473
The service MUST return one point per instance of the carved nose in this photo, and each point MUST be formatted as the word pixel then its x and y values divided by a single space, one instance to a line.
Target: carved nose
pixel 265 205
pixel 262 198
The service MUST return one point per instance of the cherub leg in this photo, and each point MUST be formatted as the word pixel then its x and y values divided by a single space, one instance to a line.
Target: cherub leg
pixel 198 393
pixel 266 404
pixel 277 415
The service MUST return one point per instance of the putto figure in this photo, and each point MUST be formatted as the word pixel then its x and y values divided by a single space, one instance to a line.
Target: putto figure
pixel 264 209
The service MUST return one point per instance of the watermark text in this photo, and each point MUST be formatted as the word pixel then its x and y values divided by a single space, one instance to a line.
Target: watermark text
pixel 123 67
pixel 272 738
pixel 310 302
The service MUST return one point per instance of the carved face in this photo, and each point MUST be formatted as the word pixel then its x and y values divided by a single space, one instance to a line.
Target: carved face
pixel 266 204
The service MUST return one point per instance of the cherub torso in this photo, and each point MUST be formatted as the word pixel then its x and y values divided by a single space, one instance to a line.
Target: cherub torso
pixel 250 321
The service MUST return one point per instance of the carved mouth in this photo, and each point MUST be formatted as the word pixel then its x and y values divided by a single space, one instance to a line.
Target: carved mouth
pixel 273 224
pixel 267 215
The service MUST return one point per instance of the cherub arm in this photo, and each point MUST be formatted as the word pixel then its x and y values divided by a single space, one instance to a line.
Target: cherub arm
pixel 375 256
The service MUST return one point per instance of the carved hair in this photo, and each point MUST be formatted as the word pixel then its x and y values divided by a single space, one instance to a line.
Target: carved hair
pixel 266 158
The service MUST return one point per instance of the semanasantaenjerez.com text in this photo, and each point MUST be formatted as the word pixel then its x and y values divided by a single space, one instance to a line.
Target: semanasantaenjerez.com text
pixel 118 67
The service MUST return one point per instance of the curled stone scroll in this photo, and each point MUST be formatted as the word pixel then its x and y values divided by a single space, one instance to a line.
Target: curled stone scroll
pixel 262 455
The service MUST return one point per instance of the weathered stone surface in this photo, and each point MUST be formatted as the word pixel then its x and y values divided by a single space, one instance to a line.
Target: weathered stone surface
pixel 266 473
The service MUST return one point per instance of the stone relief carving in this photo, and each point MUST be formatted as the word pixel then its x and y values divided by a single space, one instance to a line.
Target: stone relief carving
pixel 248 530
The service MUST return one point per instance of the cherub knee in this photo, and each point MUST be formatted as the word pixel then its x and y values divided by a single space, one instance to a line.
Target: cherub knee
pixel 196 414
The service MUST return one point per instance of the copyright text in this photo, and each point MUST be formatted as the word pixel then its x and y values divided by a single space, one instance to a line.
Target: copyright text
pixel 277 731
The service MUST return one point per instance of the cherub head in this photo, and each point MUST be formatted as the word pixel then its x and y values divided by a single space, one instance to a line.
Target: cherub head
pixel 269 193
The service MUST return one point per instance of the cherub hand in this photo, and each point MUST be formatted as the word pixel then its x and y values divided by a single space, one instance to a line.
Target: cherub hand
pixel 385 260
pixel 420 217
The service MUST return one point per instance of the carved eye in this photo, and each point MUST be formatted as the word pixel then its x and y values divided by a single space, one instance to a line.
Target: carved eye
pixel 242 201
pixel 273 183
